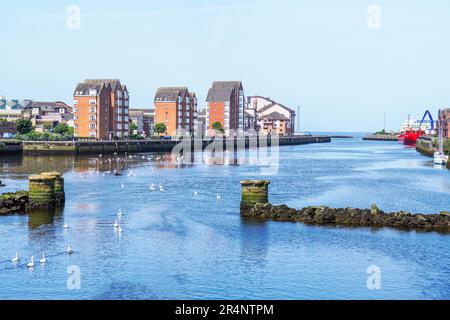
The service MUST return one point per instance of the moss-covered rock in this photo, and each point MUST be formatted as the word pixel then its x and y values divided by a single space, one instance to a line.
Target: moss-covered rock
pixel 16 202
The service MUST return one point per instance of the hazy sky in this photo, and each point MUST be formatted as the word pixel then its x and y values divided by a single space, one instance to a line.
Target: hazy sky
pixel 319 54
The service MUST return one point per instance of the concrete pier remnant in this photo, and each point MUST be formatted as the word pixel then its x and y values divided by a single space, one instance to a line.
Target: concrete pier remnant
pixel 59 194
pixel 253 192
pixel 41 191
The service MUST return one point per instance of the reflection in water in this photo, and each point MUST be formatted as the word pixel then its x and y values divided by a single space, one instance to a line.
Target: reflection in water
pixel 254 241
pixel 40 217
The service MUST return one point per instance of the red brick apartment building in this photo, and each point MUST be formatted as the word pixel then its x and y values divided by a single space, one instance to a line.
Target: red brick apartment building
pixel 176 107
pixel 101 109
pixel 225 104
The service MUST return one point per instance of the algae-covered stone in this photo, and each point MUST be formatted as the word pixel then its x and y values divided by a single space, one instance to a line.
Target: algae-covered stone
pixel 374 209
pixel 41 190
pixel 59 193
pixel 253 192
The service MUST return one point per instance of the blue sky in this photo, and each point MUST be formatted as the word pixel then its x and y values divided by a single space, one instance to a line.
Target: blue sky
pixel 317 54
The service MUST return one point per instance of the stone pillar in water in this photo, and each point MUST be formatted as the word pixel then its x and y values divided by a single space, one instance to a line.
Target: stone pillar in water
pixel 253 191
pixel 41 191
pixel 59 185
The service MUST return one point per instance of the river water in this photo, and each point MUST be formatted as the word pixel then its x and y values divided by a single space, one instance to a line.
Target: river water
pixel 178 245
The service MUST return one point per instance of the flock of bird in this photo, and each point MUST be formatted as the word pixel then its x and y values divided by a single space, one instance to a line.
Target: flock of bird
pixel 43 260
pixel 117 227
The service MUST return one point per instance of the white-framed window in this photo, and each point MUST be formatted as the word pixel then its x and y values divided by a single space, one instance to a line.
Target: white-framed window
pixel 92 134
pixel 125 118
pixel 126 126
pixel 75 102
pixel 75 110
pixel 92 126
pixel 119 126
pixel 92 101
pixel 93 110
pixel 92 118
pixel 125 110
pixel 119 93
pixel 92 92
pixel 75 117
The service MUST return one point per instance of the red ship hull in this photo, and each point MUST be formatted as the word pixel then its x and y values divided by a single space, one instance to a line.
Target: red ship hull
pixel 409 138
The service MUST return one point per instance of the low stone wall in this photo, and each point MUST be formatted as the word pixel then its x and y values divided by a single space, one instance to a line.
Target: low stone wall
pixel 11 203
pixel 136 146
pixel 351 217
pixel 10 147
pixel 381 137
pixel 425 147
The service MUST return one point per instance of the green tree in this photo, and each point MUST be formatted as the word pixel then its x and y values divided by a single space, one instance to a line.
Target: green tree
pixel 62 129
pixel 133 127
pixel 160 128
pixel 24 126
pixel 218 127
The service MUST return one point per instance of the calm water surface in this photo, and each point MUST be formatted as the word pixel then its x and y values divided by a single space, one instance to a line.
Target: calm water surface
pixel 176 245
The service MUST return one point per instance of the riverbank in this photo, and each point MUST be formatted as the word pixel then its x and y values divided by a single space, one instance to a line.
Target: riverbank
pixel 137 146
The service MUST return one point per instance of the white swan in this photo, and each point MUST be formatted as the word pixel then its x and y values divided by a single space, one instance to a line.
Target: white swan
pixel 152 187
pixel 43 260
pixel 16 258
pixel 116 224
pixel 120 229
pixel 69 250
pixel 218 197
pixel 31 263
pixel 119 213
pixel 161 188
pixel 66 225
pixel 195 193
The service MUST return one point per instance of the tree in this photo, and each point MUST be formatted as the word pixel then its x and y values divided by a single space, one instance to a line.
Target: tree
pixel 133 127
pixel 218 127
pixel 24 126
pixel 62 129
pixel 160 128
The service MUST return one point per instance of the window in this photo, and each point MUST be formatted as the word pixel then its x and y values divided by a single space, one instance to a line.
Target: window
pixel 92 118
pixel 92 92
pixel 75 117
pixel 126 126
pixel 75 110
pixel 92 126
pixel 92 101
pixel 75 102
pixel 92 134
pixel 125 119
pixel 62 110
pixel 93 110
pixel 119 126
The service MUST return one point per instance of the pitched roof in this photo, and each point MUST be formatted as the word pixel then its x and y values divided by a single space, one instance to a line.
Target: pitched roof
pixel 222 90
pixel 136 113
pixel 83 88
pixel 114 83
pixel 170 94
pixel 275 116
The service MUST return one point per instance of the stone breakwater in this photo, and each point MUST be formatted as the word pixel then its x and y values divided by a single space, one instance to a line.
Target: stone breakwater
pixel 350 217
pixel 45 191
pixel 255 203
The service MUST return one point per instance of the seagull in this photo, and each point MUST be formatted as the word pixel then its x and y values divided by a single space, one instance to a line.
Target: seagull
pixel 122 185
pixel 152 187
pixel 218 197
pixel 195 193
pixel 66 225
pixel 43 260
pixel 161 188
pixel 69 250
pixel 31 263
pixel 116 224
pixel 16 258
